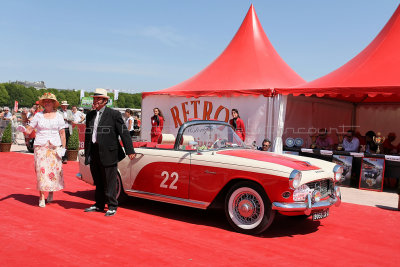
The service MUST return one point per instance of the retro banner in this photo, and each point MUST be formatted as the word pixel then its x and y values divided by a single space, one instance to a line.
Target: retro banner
pixel 346 162
pixel 372 170
pixel 255 111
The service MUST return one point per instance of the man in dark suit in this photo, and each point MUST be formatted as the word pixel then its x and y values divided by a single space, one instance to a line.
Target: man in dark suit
pixel 103 151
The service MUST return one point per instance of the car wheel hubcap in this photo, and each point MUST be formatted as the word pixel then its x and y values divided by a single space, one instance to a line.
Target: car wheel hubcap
pixel 246 208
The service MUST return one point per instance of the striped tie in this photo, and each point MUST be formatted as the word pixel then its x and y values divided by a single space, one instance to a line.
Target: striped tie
pixel 96 123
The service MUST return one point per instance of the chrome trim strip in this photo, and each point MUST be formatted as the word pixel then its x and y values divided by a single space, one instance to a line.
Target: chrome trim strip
pixel 168 199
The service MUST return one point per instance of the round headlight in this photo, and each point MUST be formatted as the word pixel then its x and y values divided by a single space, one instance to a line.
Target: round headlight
pixel 337 172
pixel 294 179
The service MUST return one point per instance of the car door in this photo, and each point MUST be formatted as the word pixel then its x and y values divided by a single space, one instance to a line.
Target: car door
pixel 161 171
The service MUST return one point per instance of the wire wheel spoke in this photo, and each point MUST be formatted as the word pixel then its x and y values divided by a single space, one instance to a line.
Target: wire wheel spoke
pixel 247 208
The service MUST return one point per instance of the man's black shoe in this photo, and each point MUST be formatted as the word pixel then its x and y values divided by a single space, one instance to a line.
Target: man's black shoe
pixel 93 208
pixel 110 213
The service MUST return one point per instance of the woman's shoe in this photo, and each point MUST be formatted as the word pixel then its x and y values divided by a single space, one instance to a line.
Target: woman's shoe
pixel 42 203
pixel 50 197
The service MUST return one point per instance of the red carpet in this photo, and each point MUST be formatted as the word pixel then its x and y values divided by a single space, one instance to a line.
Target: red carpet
pixel 150 233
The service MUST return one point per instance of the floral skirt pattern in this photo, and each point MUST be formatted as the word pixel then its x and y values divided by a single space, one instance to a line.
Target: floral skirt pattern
pixel 48 167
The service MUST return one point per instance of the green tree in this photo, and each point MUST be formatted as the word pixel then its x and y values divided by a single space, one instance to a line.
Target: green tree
pixel 6 138
pixel 29 98
pixel 137 100
pixel 26 97
pixel 16 92
pixel 73 141
pixel 121 100
pixel 4 97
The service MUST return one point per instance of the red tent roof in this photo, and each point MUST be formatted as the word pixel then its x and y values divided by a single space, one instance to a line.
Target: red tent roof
pixel 248 66
pixel 371 76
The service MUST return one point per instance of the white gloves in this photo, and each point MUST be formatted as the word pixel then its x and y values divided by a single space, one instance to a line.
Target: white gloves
pixel 60 151
pixel 21 129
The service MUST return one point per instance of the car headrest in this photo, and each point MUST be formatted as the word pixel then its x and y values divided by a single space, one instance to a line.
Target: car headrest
pixel 186 139
pixel 166 139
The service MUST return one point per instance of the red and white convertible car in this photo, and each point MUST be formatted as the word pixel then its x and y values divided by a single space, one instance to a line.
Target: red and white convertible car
pixel 207 164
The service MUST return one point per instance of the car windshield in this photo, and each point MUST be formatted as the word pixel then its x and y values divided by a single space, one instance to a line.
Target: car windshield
pixel 210 137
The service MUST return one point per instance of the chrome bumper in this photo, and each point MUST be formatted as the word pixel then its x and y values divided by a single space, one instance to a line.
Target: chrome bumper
pixel 308 205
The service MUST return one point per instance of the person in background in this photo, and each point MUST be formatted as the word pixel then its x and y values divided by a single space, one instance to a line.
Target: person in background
pixel 103 151
pixel 266 145
pixel 388 146
pixel 137 120
pixel 24 116
pixel 78 116
pixel 136 126
pixel 157 124
pixel 39 108
pixel 350 142
pixel 129 121
pixel 32 112
pixel 323 140
pixel 238 124
pixel 82 111
pixel 7 114
pixel 68 118
pixel 49 147
pixel 370 146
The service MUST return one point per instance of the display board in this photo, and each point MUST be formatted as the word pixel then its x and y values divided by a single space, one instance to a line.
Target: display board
pixel 346 162
pixel 371 176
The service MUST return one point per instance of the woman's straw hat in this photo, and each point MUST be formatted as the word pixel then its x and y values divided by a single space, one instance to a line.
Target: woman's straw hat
pixel 49 96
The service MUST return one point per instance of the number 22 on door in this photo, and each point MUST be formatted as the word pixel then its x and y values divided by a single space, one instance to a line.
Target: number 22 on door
pixel 166 176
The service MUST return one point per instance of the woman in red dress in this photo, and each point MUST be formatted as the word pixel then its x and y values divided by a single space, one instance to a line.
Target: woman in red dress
pixel 157 124
pixel 238 124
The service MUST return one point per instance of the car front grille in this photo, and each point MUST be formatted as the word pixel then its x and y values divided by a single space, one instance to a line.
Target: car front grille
pixel 323 186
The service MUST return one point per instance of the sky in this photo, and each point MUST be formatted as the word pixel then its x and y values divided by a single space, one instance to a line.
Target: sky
pixel 142 46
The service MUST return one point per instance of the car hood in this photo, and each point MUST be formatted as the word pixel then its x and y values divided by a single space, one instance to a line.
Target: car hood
pixel 270 158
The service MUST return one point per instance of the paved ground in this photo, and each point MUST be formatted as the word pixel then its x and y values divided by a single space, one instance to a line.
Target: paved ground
pixel 384 200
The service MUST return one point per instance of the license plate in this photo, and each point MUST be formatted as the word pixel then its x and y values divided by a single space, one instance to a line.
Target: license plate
pixel 320 215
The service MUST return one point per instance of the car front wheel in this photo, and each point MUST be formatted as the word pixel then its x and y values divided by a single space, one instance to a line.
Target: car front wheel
pixel 248 209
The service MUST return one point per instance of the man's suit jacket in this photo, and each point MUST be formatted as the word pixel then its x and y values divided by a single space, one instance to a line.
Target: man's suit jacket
pixel 111 125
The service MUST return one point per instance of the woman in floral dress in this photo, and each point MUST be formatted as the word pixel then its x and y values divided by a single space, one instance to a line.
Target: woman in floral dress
pixel 49 147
